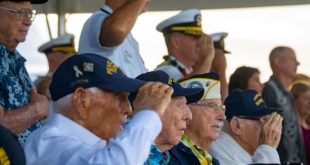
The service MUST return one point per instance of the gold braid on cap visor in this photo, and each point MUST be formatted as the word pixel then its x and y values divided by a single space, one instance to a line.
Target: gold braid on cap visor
pixel 194 30
pixel 66 49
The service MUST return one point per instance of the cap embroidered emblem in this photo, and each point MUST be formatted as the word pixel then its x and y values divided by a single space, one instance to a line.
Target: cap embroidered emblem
pixel 257 99
pixel 111 68
pixel 194 84
pixel 171 81
pixel 88 67
pixel 198 19
pixel 77 71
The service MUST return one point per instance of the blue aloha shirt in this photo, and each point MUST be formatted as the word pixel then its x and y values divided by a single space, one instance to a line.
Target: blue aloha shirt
pixel 156 157
pixel 15 85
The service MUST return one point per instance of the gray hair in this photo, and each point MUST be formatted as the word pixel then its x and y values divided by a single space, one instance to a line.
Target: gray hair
pixel 64 103
pixel 276 53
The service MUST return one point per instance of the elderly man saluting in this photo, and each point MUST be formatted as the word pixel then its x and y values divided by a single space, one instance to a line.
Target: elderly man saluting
pixel 175 118
pixel 90 101
pixel 208 116
pixel 251 132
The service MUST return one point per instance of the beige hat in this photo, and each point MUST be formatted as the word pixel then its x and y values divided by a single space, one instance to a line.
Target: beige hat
pixel 209 82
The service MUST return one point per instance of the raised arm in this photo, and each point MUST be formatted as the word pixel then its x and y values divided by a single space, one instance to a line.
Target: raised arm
pixel 119 24
pixel 206 56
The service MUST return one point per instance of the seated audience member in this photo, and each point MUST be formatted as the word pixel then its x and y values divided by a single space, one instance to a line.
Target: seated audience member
pixel 175 118
pixel 300 90
pixel 251 132
pixel 208 116
pixel 245 77
pixel 219 63
pixel 90 101
pixel 56 51
pixel 190 51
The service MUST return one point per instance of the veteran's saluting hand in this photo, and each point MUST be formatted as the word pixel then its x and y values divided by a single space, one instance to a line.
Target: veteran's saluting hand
pixel 155 96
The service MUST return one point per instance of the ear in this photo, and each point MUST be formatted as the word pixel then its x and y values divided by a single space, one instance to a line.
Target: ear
pixel 235 126
pixel 81 102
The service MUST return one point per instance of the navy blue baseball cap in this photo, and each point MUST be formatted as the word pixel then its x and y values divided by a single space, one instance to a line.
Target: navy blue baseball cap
pixel 90 70
pixel 246 103
pixel 11 151
pixel 192 94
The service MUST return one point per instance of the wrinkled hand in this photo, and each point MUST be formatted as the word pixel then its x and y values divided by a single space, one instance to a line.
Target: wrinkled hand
pixel 155 96
pixel 206 55
pixel 39 103
pixel 271 130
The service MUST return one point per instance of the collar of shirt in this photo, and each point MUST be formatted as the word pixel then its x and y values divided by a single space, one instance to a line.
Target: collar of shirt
pixel 234 147
pixel 203 156
pixel 6 53
pixel 76 130
pixel 106 9
pixel 173 61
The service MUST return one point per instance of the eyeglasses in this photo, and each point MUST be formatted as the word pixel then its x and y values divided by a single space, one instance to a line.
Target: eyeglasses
pixel 213 106
pixel 23 13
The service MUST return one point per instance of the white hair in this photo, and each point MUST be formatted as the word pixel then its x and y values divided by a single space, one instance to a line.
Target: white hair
pixel 65 103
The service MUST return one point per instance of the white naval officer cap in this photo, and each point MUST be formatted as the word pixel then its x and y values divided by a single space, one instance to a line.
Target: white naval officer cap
pixel 63 43
pixel 187 22
pixel 218 40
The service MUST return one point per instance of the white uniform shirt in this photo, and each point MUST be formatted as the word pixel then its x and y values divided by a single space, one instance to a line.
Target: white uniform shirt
pixel 229 152
pixel 173 70
pixel 126 55
pixel 64 142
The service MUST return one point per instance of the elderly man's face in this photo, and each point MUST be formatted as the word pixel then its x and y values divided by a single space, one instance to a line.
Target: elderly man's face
pixel 189 47
pixel 208 117
pixel 288 63
pixel 56 58
pixel 107 113
pixel 13 29
pixel 250 132
pixel 175 120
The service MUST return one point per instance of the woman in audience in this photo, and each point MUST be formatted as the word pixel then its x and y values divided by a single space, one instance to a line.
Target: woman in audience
pixel 301 92
pixel 245 78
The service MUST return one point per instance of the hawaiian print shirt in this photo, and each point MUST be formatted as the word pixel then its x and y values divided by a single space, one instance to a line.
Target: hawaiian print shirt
pixel 156 157
pixel 15 85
